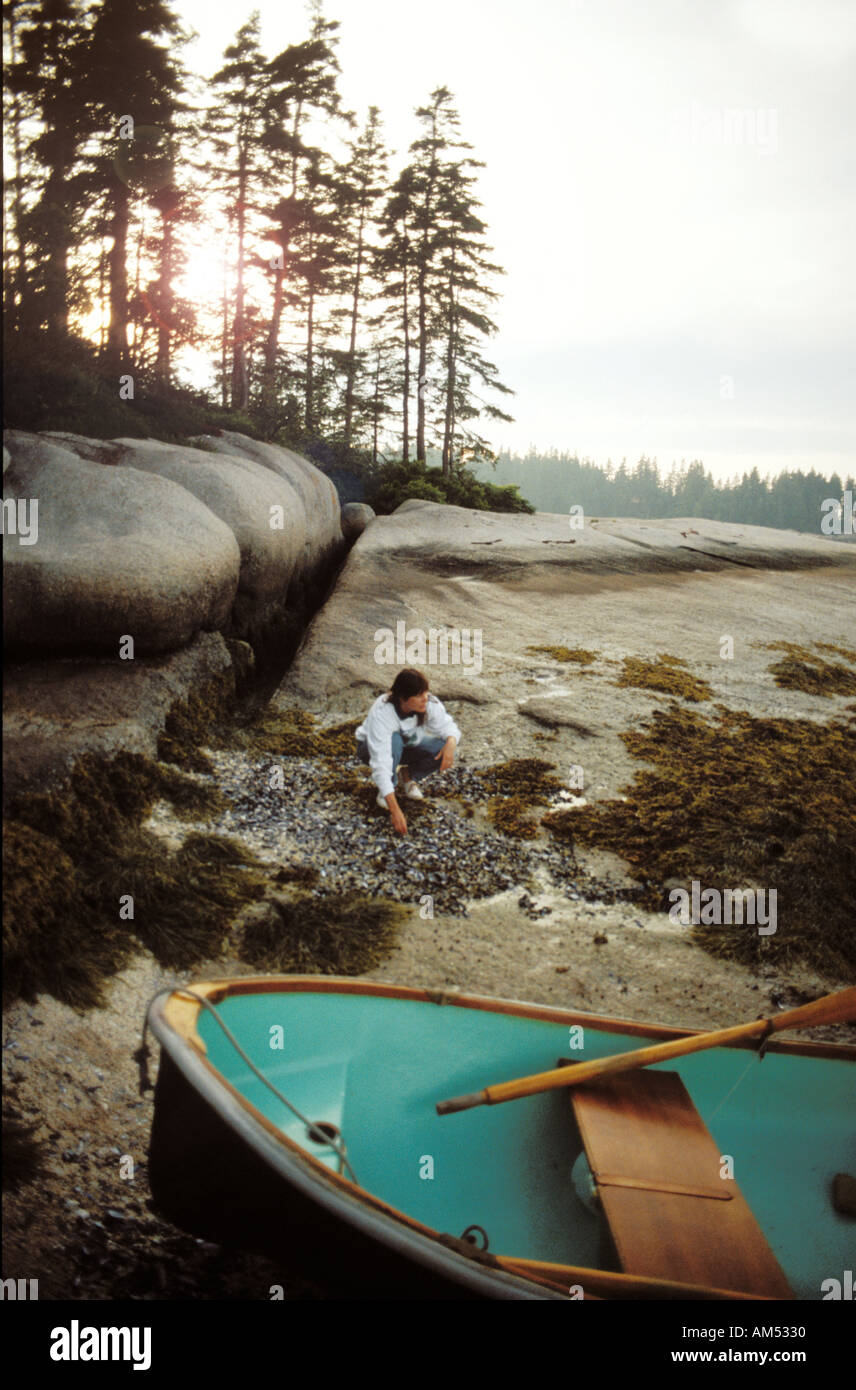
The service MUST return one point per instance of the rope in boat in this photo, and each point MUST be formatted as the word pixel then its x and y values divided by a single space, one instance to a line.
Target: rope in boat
pixel 759 1057
pixel 338 1146
pixel 727 1096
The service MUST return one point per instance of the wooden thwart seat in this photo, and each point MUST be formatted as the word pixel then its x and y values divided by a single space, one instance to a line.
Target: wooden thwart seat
pixel 657 1169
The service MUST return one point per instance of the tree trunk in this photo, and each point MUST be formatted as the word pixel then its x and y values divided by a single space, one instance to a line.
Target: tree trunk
pixel 376 407
pixel 422 369
pixel 163 361
pixel 352 346
pixel 19 276
pixel 138 264
pixel 309 412
pixel 224 337
pixel 449 420
pixel 422 284
pixel 405 444
pixel 102 298
pixel 240 376
pixel 272 339
pixel 117 355
pixel 52 205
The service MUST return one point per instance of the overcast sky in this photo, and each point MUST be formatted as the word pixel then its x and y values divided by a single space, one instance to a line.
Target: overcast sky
pixel 670 187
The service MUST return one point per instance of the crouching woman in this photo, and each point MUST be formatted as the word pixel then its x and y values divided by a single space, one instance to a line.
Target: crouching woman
pixel 408 731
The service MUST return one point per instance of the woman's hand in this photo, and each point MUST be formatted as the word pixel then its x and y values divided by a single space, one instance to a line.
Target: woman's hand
pixel 397 815
pixel 446 754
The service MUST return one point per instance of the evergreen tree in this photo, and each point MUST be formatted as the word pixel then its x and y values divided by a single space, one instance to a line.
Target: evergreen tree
pixel 173 316
pixel 131 93
pixel 440 121
pixel 45 45
pixel 434 202
pixel 460 314
pixel 361 183
pixel 393 268
pixel 239 125
pixel 306 221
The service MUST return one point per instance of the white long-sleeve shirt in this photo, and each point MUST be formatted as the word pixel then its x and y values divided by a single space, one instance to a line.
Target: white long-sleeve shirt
pixel 382 722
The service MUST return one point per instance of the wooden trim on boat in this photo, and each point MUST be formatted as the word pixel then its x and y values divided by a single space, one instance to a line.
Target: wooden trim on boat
pixel 181 1013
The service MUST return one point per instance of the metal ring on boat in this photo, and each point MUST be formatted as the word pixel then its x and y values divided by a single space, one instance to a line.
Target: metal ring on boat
pixel 471 1238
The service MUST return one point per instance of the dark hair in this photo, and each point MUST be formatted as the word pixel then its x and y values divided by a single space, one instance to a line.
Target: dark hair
pixel 407 684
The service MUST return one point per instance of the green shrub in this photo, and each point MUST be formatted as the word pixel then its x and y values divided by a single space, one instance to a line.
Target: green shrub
pixel 395 483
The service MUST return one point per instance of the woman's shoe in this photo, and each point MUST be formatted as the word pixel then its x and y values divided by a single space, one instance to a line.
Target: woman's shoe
pixel 411 790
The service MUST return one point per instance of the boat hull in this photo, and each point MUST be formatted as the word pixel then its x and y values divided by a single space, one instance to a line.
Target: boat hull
pixel 214 1179
pixel 221 1169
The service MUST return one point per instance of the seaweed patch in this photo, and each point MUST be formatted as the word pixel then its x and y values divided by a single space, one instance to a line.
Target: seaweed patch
pixel 193 720
pixel 668 675
pixel 72 859
pixel 579 655
pixel 801 669
pixel 513 789
pixel 737 801
pixel 293 733
pixel 338 934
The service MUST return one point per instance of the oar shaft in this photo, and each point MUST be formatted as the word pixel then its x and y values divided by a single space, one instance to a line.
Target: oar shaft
pixel 604 1283
pixel 832 1008
pixel 622 1061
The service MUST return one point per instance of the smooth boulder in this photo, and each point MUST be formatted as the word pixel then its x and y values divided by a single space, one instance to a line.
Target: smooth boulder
pixel 260 509
pixel 118 553
pixel 315 510
pixel 356 516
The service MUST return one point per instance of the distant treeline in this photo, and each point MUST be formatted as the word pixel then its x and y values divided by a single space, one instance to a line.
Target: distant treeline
pixel 555 482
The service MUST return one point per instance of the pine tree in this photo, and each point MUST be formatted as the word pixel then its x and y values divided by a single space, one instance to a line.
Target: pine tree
pixel 393 268
pixel 45 44
pixel 131 93
pixel 361 183
pixel 306 221
pixel 15 14
pixel 434 203
pixel 238 126
pixel 464 297
pixel 440 121
pixel 173 316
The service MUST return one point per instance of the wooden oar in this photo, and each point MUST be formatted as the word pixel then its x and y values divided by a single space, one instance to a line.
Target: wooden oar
pixel 832 1008
pixel 601 1283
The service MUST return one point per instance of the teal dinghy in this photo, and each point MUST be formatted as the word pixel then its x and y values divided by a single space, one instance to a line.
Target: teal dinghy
pixel 297 1116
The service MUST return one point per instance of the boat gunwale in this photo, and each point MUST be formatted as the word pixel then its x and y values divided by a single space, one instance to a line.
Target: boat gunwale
pixel 218 990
